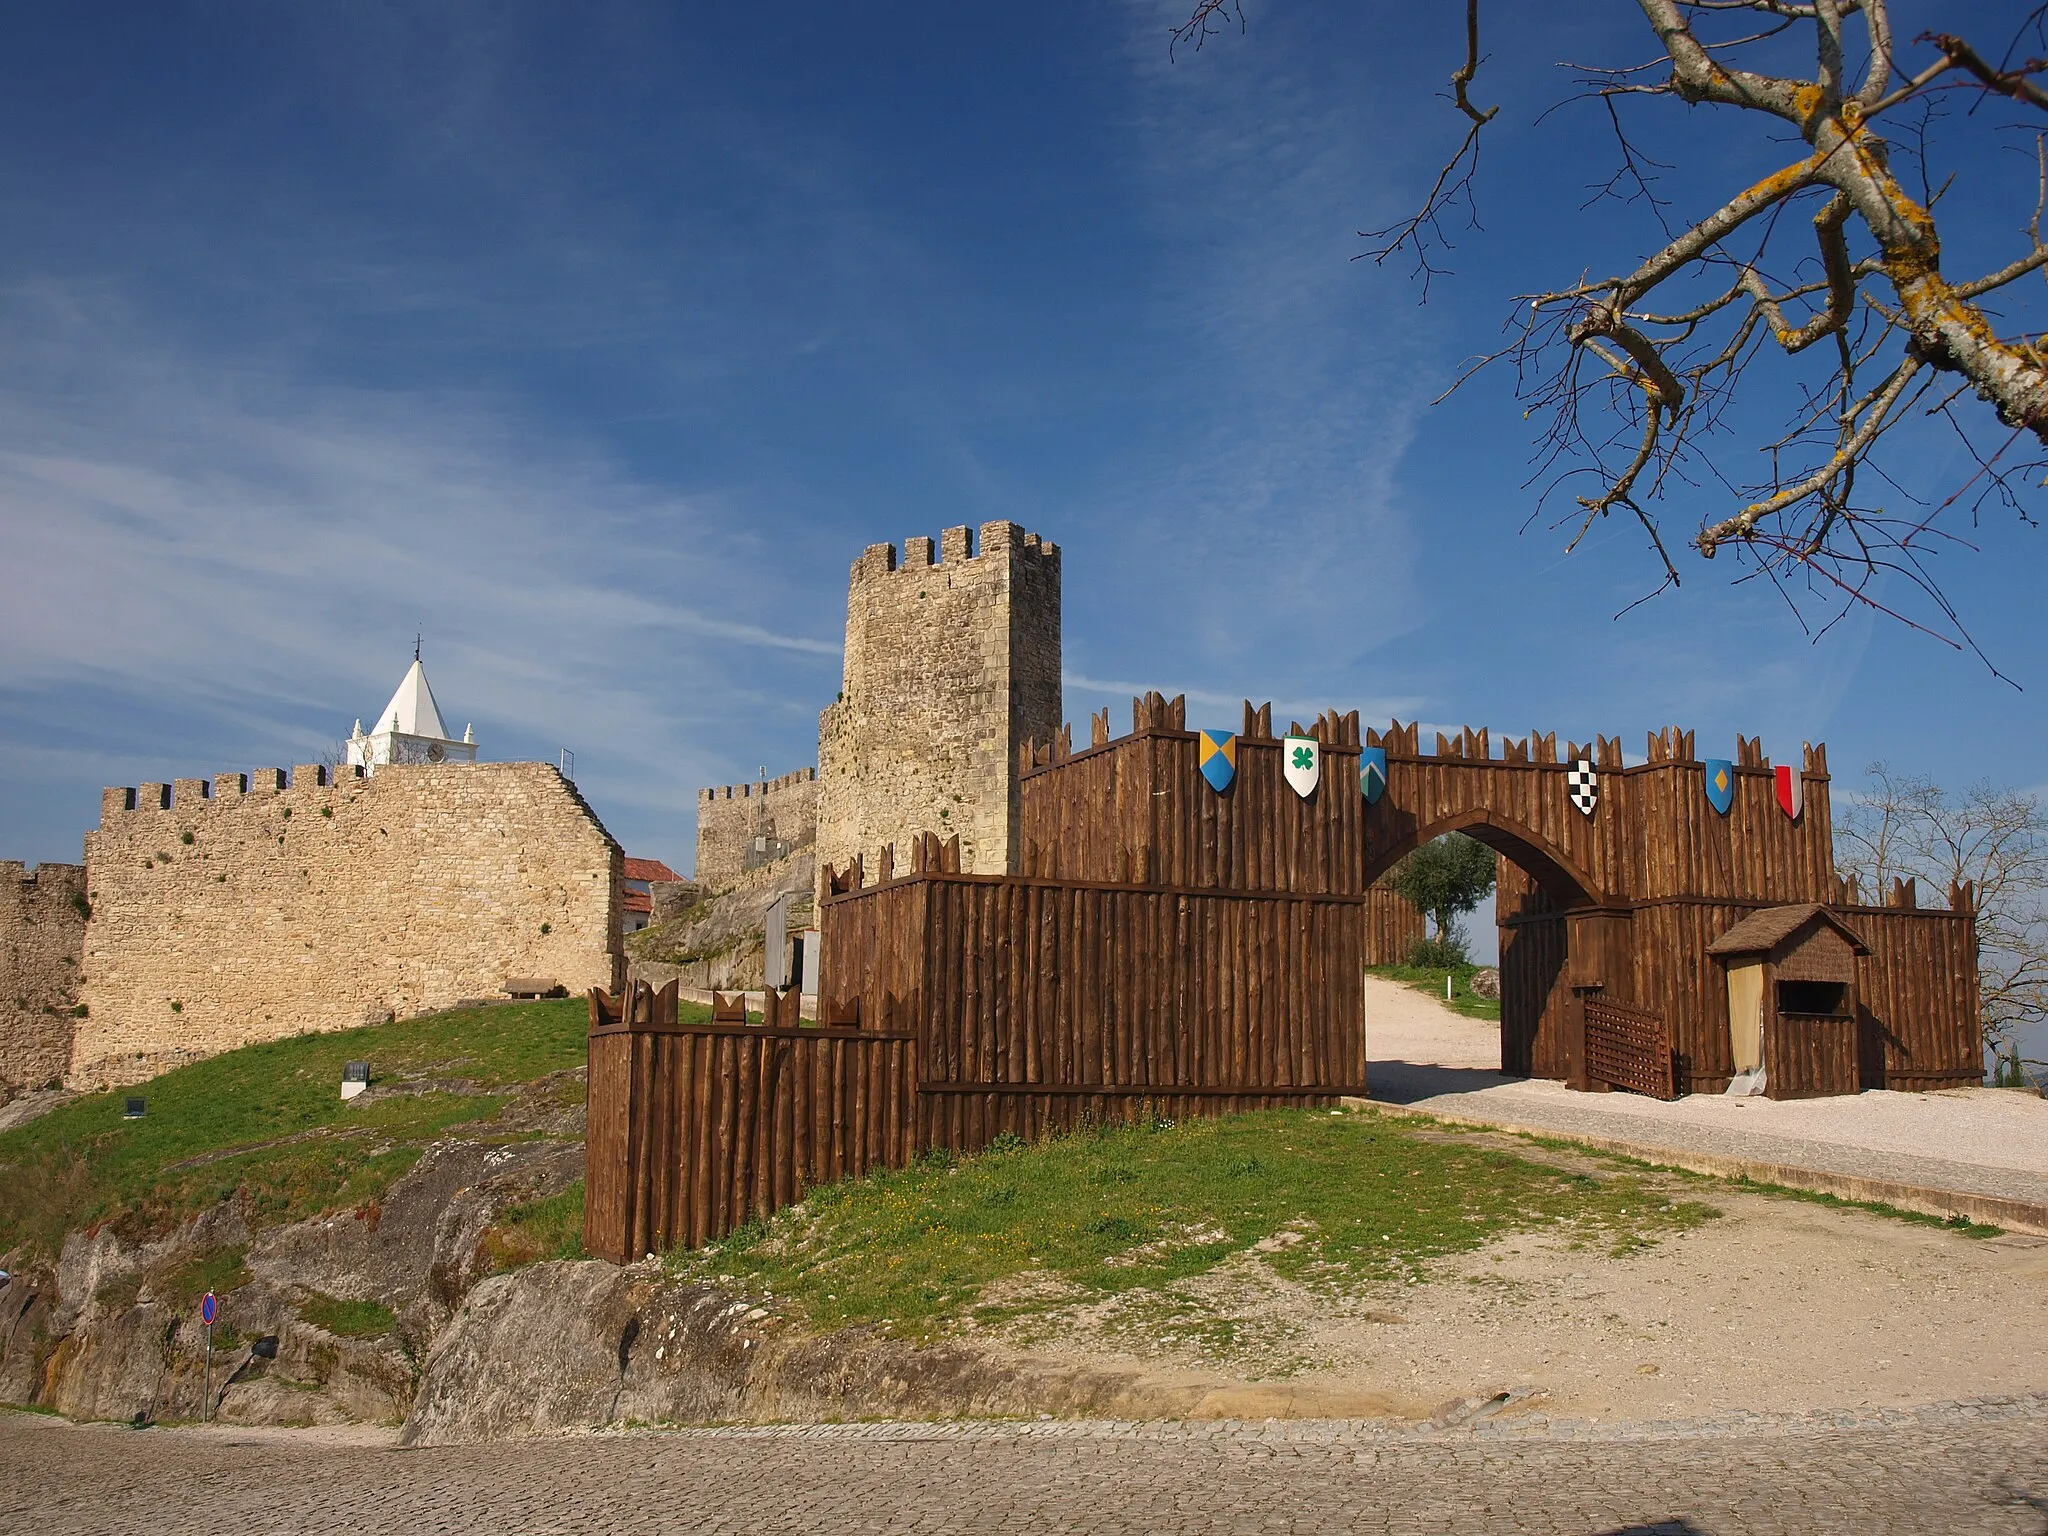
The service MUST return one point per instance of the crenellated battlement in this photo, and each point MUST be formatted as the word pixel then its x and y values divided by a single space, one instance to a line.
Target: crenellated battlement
pixel 760 787
pixel 741 826
pixel 32 876
pixel 958 549
pixel 224 790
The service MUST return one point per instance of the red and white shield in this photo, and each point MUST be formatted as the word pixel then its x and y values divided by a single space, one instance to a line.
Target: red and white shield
pixel 1791 790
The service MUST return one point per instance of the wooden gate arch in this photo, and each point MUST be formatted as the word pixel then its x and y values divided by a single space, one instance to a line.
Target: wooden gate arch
pixel 1617 902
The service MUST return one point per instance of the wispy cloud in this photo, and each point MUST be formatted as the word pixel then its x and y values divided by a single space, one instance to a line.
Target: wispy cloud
pixel 1266 493
pixel 241 563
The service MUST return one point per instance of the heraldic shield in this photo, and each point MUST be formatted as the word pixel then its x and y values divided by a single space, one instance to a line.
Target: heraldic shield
pixel 1720 784
pixel 1301 759
pixel 1791 790
pixel 1583 784
pixel 1218 759
pixel 1372 773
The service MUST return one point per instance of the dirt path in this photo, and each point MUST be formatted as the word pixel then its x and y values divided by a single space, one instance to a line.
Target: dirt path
pixel 1777 1306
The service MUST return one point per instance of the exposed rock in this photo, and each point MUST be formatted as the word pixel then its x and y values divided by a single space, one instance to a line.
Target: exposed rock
pixel 566 1346
pixel 718 943
pixel 92 1337
pixel 1485 983
pixel 416 1251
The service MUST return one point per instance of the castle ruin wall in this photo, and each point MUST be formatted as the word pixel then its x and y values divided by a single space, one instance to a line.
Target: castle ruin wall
pixel 42 946
pixel 731 816
pixel 259 906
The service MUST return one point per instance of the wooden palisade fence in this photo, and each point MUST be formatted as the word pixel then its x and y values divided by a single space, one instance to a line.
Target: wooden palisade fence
pixel 1161 948
pixel 697 1128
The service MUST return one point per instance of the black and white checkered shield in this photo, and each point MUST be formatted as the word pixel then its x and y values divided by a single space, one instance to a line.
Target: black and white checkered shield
pixel 1583 785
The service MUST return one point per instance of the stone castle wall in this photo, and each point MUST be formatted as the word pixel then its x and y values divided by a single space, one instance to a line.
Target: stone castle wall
pixel 729 817
pixel 250 908
pixel 42 946
pixel 950 665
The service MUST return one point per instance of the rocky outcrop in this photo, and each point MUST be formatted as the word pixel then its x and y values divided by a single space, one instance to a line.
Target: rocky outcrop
pixel 578 1346
pixel 110 1330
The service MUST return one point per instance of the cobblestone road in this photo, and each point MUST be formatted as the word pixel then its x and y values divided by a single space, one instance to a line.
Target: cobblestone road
pixel 1961 1470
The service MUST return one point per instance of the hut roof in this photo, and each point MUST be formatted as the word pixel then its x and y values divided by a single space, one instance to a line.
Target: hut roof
pixel 1767 929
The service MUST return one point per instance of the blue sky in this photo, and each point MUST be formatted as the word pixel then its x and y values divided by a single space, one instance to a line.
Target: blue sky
pixel 595 343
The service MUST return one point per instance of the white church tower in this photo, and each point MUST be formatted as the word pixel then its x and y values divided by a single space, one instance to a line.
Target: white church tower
pixel 410 729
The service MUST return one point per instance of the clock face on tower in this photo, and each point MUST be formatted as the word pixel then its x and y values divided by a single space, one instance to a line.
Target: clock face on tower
pixel 436 752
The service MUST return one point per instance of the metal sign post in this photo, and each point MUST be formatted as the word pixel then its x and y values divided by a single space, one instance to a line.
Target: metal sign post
pixel 209 1308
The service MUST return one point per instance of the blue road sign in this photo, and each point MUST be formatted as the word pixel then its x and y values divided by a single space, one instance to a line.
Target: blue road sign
pixel 208 1309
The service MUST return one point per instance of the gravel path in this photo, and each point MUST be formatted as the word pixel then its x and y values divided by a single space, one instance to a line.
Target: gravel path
pixel 1979 1140
pixel 1965 1468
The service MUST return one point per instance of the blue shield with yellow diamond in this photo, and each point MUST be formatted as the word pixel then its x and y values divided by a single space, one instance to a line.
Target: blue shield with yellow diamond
pixel 1372 773
pixel 1219 759
pixel 1720 784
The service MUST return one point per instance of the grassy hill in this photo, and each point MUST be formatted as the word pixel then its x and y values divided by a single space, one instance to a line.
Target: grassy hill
pixel 1323 1198
pixel 914 1250
pixel 267 1122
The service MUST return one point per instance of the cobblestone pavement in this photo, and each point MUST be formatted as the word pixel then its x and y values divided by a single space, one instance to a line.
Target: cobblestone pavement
pixel 1965 1468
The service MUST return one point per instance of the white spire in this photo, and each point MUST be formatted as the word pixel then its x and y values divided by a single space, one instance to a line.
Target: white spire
pixel 412 711
pixel 410 730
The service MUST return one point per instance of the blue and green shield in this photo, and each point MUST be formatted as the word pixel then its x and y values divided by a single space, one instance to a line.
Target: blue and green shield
pixel 1372 773
pixel 1219 759
pixel 1720 784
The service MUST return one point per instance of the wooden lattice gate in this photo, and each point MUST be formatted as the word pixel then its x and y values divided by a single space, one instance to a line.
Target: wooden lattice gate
pixel 1628 1047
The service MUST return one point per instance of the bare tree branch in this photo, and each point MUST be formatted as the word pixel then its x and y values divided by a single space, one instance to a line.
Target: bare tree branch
pixel 1636 378
pixel 2007 82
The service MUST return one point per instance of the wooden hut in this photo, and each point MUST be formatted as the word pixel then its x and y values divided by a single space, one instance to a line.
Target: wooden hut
pixel 1792 1006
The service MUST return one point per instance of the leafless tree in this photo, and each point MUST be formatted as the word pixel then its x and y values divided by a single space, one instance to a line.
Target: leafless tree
pixel 1903 827
pixel 1633 375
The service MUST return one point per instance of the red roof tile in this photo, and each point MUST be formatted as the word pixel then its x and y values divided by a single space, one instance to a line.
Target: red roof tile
pixel 649 869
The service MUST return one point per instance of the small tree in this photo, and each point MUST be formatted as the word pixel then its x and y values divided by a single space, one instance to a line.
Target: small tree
pixel 1903 827
pixel 1446 879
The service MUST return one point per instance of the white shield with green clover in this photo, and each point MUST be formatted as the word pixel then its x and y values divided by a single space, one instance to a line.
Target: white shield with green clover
pixel 1302 758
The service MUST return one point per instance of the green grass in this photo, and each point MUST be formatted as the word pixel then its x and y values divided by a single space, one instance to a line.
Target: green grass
pixel 219 1270
pixel 1962 1226
pixel 550 1228
pixel 267 1123
pixel 1430 979
pixel 1139 1208
pixel 347 1319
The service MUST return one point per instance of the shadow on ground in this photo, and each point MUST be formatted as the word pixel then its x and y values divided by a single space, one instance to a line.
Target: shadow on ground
pixel 1406 1082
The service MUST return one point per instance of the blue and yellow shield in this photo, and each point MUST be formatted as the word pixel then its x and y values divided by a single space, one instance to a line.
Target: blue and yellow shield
pixel 1372 773
pixel 1219 759
pixel 1720 784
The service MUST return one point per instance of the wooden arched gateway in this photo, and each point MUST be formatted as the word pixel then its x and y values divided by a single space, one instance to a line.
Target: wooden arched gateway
pixel 1164 947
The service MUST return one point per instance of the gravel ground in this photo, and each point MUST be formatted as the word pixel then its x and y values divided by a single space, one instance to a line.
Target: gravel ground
pixel 1984 1140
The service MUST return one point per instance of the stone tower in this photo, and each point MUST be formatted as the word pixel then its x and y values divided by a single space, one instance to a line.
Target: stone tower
pixel 950 664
